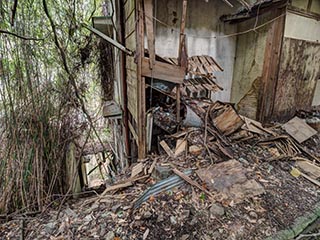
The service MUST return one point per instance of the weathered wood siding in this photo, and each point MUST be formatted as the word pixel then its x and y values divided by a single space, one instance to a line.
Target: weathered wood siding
pixel 131 66
pixel 299 67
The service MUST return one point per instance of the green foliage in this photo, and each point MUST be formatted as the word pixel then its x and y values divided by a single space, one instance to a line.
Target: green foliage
pixel 40 112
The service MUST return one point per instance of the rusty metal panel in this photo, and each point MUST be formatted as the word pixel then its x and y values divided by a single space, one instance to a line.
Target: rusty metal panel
pixel 299 71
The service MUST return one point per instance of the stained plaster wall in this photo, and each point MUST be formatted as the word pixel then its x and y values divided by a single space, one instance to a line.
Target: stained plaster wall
pixel 202 26
pixel 249 64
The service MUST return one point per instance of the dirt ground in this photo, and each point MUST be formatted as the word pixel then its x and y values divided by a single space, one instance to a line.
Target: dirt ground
pixel 184 212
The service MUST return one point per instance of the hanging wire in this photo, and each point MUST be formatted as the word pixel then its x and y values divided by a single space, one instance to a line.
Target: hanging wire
pixel 220 36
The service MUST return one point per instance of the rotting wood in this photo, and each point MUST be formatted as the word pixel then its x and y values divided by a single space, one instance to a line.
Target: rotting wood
pixel 110 40
pixel 141 82
pixel 138 168
pixel 167 149
pixel 134 134
pixel 163 71
pixel 270 69
pixel 148 8
pixel 225 118
pixel 123 80
pixel 180 147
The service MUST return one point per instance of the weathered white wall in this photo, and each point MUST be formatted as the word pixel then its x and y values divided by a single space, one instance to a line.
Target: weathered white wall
pixel 202 26
pixel 300 27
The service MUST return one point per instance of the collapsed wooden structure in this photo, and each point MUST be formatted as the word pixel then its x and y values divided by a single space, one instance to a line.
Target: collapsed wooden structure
pixel 264 75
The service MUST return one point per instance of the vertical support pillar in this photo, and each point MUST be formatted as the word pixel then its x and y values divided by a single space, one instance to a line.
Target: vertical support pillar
pixel 141 82
pixel 182 56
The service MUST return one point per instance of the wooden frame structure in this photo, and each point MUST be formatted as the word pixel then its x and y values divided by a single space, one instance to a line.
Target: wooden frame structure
pixel 136 24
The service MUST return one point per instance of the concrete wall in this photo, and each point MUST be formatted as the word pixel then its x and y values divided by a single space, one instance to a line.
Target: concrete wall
pixel 202 25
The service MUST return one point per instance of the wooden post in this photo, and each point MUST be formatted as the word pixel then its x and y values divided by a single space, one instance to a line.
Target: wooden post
pixel 141 83
pixel 124 80
pixel 182 56
pixel 148 16
pixel 270 69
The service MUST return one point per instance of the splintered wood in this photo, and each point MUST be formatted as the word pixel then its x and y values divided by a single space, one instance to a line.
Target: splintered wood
pixel 225 118
pixel 166 148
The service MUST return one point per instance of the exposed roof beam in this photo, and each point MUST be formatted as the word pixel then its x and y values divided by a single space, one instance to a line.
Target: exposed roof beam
pixel 110 40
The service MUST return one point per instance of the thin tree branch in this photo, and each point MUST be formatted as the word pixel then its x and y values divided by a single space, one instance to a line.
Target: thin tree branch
pixel 21 37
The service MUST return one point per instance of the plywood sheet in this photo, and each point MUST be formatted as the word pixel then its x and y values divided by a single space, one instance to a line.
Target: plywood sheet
pixel 299 129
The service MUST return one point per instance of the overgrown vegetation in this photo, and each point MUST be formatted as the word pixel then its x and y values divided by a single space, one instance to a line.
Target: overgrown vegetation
pixel 47 62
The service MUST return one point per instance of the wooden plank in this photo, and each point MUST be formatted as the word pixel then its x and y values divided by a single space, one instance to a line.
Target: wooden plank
pixel 214 63
pixel 266 99
pixel 148 8
pixel 227 121
pixel 141 121
pixel 297 79
pixel 180 147
pixel 309 168
pixel 182 54
pixel 137 169
pixel 110 40
pixel 165 147
pixel 163 71
pixel 299 130
pixel 132 92
pixel 190 181
pixel 135 135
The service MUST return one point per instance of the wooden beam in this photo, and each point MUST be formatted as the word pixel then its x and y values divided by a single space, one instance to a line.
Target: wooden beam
pixel 108 39
pixel 141 121
pixel 182 55
pixel 270 70
pixel 148 9
pixel 163 71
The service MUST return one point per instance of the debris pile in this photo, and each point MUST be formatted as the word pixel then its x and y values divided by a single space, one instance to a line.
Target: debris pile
pixel 214 174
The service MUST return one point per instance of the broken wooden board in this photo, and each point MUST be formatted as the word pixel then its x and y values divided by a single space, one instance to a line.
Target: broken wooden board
pixel 299 129
pixel 165 147
pixel 163 71
pixel 229 178
pixel 225 118
pixel 137 169
pixel 309 168
pixel 180 147
pixel 190 181
pixel 255 126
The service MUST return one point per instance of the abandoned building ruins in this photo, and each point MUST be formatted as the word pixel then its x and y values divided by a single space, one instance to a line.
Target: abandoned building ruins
pixel 215 121
pixel 262 56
